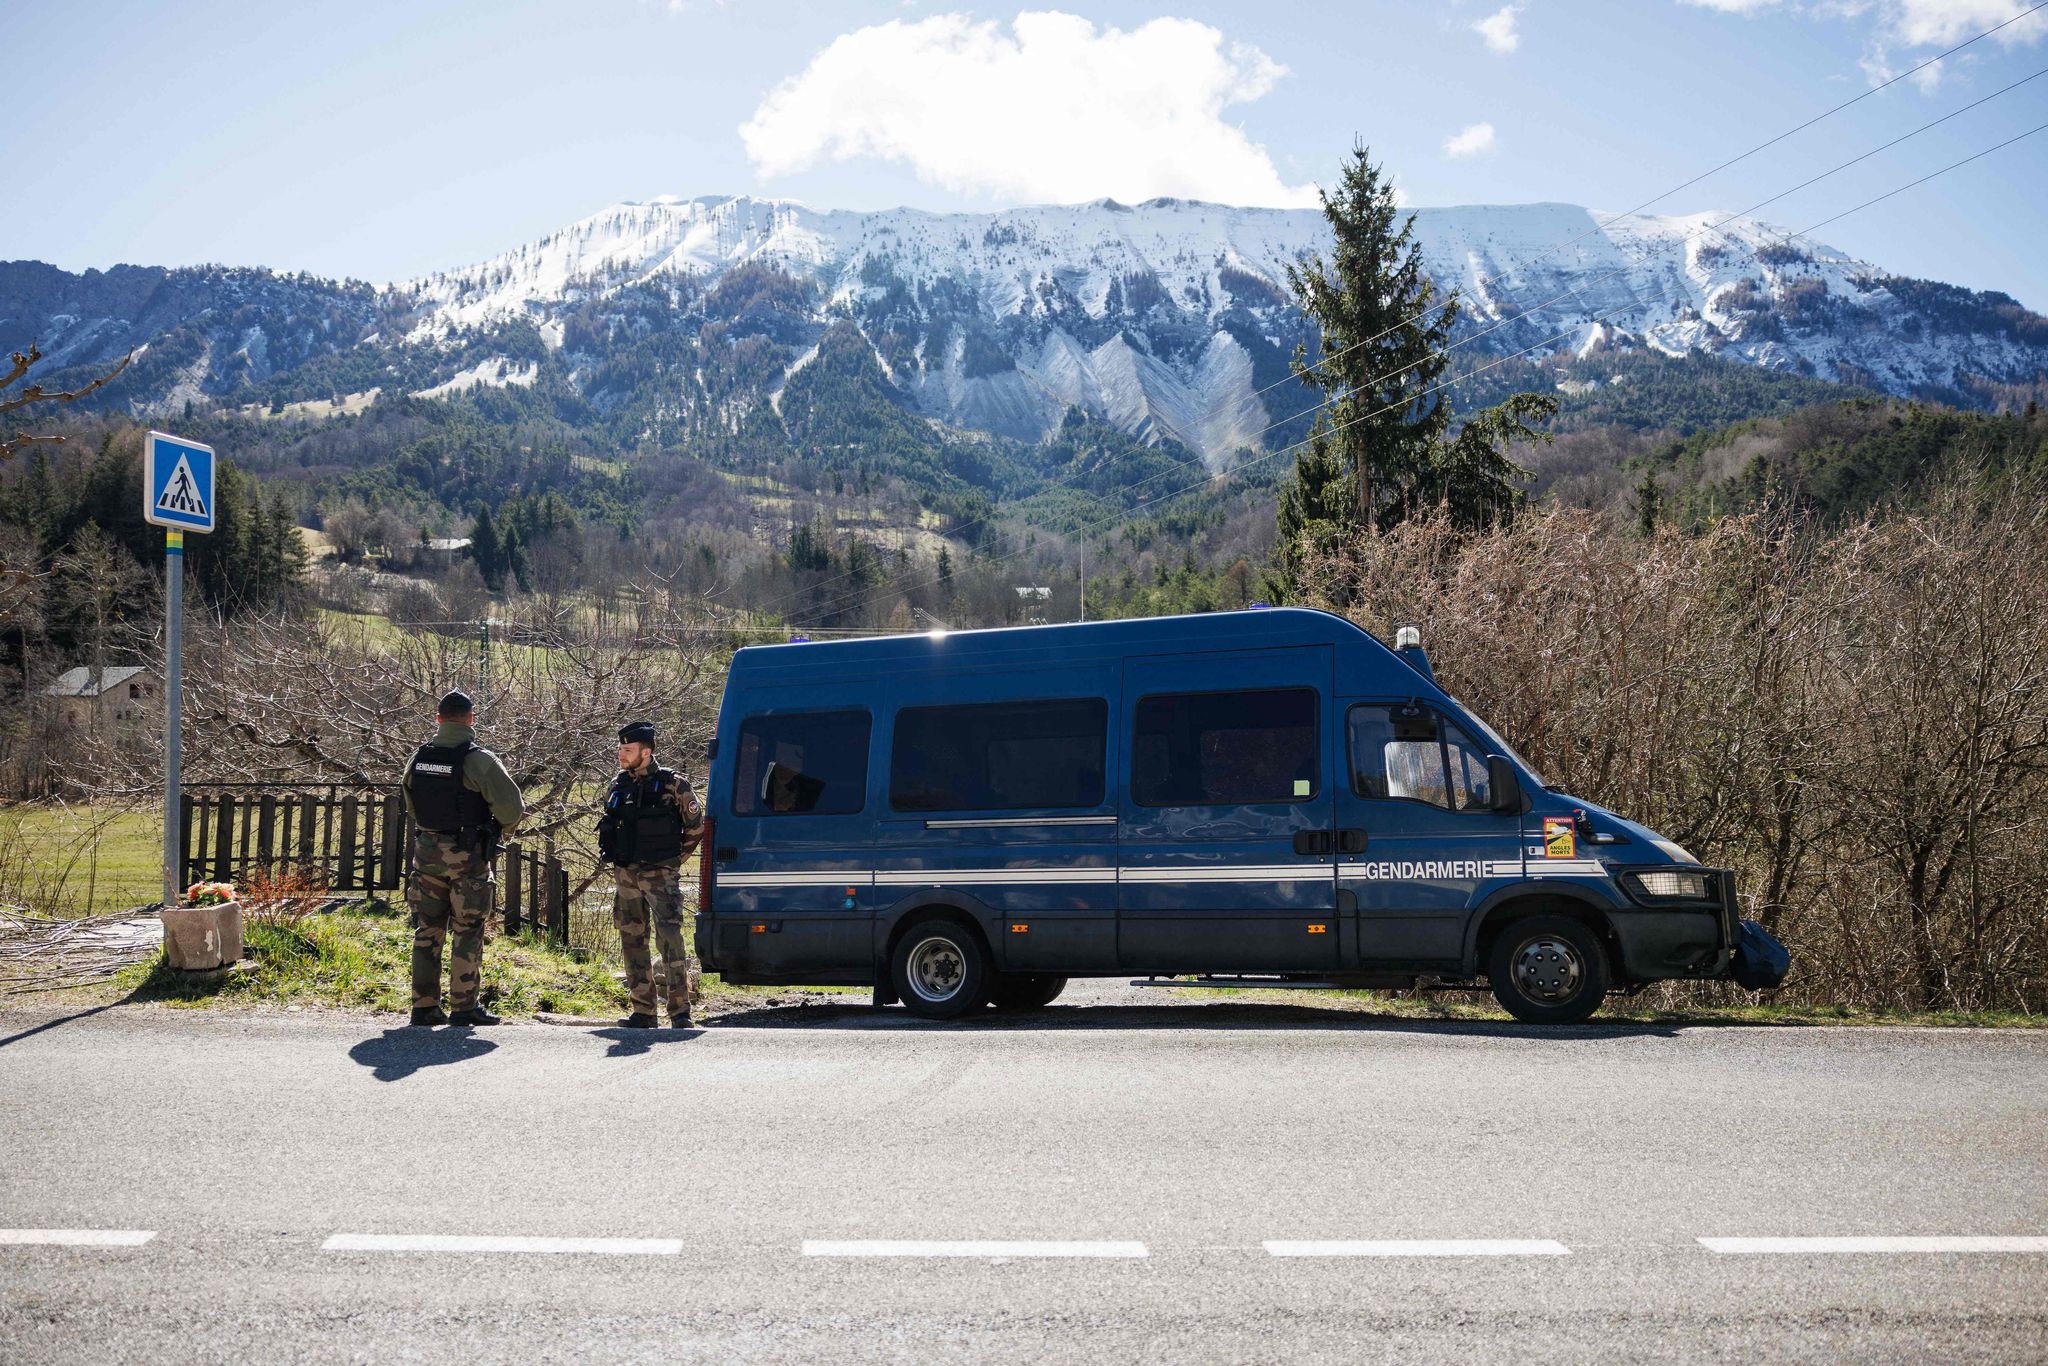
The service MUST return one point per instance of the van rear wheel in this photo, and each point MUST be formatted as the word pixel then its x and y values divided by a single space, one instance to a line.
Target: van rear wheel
pixel 941 971
pixel 1027 990
pixel 1548 969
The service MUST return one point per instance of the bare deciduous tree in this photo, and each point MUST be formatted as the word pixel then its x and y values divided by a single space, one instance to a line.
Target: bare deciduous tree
pixel 1856 720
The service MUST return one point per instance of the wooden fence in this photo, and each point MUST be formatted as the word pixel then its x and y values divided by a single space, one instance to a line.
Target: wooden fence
pixel 347 840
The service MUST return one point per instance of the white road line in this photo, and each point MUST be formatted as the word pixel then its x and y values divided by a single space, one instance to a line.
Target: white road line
pixel 883 1247
pixel 1925 1244
pixel 461 1242
pixel 75 1237
pixel 1421 1247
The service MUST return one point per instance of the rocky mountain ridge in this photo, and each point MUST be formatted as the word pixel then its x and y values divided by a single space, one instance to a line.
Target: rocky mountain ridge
pixel 1170 318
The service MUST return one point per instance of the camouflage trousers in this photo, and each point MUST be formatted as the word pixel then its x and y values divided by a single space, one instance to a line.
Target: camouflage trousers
pixel 451 888
pixel 651 900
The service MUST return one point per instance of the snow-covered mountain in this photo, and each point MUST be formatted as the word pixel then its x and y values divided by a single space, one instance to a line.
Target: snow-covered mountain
pixel 1168 318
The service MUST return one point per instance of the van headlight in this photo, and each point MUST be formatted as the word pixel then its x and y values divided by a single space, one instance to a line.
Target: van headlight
pixel 1672 884
pixel 1675 852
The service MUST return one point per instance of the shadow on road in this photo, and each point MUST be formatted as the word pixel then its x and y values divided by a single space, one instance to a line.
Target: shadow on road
pixel 1236 1015
pixel 632 1043
pixel 398 1053
pixel 34 1030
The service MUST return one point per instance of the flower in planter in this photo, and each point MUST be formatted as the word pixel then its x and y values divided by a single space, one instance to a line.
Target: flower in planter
pixel 209 893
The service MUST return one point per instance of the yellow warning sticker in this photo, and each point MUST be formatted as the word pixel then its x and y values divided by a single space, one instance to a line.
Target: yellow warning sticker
pixel 1560 837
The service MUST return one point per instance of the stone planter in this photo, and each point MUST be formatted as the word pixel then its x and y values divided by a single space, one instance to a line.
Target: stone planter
pixel 202 938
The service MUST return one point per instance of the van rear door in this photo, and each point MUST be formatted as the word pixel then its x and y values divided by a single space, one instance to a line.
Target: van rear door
pixel 1227 842
pixel 794 889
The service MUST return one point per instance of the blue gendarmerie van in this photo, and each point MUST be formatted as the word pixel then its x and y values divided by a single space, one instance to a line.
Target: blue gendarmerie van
pixel 1269 796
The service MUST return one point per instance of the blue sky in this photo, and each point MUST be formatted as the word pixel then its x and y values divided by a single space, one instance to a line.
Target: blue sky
pixel 385 140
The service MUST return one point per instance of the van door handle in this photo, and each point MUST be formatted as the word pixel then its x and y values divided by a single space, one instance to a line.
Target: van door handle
pixel 1351 841
pixel 1314 841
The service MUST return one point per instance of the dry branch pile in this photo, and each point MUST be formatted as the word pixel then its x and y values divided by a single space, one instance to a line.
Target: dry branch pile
pixel 42 954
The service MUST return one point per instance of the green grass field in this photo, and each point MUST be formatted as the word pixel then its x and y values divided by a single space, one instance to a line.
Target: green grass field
pixel 80 860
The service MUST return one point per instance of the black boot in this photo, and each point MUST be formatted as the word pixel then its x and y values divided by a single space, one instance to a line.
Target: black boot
pixel 638 1021
pixel 474 1015
pixel 682 1021
pixel 429 1015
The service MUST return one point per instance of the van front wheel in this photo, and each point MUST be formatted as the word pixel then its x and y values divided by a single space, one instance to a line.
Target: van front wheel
pixel 1548 969
pixel 941 971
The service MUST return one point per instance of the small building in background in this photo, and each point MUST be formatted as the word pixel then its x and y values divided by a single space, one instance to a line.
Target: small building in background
pixel 446 550
pixel 117 697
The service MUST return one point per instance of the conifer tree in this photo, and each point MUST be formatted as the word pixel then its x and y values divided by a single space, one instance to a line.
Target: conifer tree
pixel 514 553
pixel 1648 500
pixel 486 549
pixel 1382 448
pixel 1383 332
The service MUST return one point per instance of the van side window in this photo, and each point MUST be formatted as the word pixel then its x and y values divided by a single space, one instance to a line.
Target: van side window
pixel 1001 756
pixel 813 763
pixel 1202 749
pixel 1412 754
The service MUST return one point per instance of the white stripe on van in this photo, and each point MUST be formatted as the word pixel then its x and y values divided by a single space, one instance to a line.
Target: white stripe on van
pixel 1097 874
pixel 1277 872
pixel 1013 822
pixel 1442 869
pixel 845 877
pixel 990 877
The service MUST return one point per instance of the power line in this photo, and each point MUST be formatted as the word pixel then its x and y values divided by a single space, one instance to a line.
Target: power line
pixel 1125 514
pixel 1552 250
pixel 1761 146
pixel 1715 227
pixel 1924 179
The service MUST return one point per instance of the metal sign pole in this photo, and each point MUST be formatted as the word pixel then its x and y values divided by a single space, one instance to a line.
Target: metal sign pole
pixel 174 707
pixel 177 495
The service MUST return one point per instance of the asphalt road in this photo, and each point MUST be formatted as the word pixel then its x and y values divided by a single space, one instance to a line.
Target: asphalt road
pixel 1580 1168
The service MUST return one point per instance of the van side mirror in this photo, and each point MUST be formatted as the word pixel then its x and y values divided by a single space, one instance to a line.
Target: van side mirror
pixel 1504 785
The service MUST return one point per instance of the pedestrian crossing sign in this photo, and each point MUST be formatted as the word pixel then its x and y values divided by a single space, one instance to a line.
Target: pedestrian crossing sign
pixel 177 483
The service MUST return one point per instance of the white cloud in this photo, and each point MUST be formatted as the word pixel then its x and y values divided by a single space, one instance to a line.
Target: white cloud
pixel 1944 23
pixel 1053 109
pixel 1471 142
pixel 1498 29
pixel 1902 32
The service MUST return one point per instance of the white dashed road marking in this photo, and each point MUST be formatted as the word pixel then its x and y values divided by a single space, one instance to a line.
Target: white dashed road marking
pixel 1931 1244
pixel 74 1237
pixel 438 1242
pixel 882 1247
pixel 1422 1247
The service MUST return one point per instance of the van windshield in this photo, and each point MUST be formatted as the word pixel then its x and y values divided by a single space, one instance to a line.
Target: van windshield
pixel 1493 737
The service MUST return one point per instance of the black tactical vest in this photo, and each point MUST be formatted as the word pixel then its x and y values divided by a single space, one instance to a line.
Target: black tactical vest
pixel 439 800
pixel 639 824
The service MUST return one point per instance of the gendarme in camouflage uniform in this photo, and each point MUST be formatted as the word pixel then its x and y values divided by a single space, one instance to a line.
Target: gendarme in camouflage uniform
pixel 462 801
pixel 651 821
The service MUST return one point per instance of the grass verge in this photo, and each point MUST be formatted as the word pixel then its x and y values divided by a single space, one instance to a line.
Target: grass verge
pixel 362 960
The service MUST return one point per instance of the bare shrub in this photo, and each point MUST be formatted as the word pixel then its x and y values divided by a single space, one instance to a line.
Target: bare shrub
pixel 281 897
pixel 1855 720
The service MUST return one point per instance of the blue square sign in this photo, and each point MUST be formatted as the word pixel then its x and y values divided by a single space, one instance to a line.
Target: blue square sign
pixel 177 483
